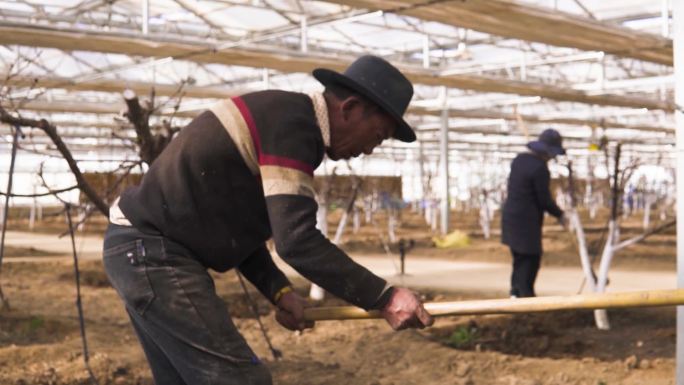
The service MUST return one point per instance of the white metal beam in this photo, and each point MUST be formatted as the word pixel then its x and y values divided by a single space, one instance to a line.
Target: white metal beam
pixel 531 23
pixel 218 92
pixel 444 168
pixel 293 61
pixel 678 36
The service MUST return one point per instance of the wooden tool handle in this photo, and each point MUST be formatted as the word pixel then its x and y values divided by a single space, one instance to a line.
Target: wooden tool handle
pixel 648 298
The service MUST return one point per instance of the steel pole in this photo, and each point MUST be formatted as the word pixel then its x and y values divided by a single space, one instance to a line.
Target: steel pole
pixel 678 39
pixel 444 166
pixel 15 145
pixel 146 17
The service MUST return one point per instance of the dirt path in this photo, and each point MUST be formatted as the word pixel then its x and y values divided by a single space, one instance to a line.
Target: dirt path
pixel 428 273
pixel 464 276
pixel 88 246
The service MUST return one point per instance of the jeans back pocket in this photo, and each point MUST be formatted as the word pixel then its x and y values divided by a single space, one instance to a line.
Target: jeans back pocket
pixel 126 268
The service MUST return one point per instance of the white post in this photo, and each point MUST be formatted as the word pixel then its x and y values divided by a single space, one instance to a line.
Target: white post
pixel 523 67
pixel 600 315
pixel 665 204
pixel 32 215
pixel 356 219
pixel 434 216
pixel 421 176
pixel 368 208
pixel 322 218
pixel 426 51
pixel 340 228
pixel 81 217
pixel 145 17
pixel 444 165
pixel 304 37
pixel 591 198
pixel 602 73
pixel 428 212
pixel 266 78
pixel 484 221
pixel 316 292
pixel 485 215
pixel 665 17
pixel 391 224
pixel 606 259
pixel 678 37
pixel 593 206
pixel 647 210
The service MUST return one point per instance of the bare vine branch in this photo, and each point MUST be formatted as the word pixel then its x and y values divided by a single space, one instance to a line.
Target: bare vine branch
pixel 51 131
pixel 150 145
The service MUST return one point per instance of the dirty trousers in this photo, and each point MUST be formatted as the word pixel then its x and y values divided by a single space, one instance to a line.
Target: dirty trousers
pixel 183 326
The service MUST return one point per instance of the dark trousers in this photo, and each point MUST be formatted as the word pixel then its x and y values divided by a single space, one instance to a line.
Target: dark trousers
pixel 183 326
pixel 525 268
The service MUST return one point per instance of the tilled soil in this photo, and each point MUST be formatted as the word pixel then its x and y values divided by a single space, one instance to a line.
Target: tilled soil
pixel 40 336
pixel 40 341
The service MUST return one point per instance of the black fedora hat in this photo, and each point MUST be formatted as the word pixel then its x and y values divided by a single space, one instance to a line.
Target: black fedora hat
pixel 550 142
pixel 379 81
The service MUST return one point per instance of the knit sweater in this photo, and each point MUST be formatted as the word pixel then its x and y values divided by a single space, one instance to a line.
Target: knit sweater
pixel 240 174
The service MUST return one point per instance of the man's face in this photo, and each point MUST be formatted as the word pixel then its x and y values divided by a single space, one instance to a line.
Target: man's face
pixel 360 129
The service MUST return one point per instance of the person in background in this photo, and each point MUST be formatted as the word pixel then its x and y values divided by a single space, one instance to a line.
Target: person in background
pixel 523 212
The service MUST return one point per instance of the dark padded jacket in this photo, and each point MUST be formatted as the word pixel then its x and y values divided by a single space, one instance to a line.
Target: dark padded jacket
pixel 527 198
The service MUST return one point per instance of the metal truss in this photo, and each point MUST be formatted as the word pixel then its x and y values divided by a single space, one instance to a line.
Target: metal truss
pixel 327 29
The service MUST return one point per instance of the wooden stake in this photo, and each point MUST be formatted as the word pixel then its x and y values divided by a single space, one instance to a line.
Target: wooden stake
pixel 649 298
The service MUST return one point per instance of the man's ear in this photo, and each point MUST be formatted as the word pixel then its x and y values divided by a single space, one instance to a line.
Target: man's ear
pixel 348 105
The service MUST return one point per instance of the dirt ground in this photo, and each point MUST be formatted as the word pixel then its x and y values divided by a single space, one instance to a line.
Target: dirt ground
pixel 657 252
pixel 40 337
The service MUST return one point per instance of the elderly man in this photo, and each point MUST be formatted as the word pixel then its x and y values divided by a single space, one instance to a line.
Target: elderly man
pixel 527 199
pixel 236 176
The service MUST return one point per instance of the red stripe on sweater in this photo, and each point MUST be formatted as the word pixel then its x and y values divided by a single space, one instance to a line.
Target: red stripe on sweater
pixel 247 116
pixel 266 159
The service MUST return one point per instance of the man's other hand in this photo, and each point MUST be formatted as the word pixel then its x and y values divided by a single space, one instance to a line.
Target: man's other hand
pixel 290 313
pixel 405 310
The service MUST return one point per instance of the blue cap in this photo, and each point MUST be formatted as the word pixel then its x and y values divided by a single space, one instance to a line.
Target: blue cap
pixel 550 142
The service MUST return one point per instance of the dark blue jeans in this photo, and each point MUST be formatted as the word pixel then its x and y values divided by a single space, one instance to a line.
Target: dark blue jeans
pixel 183 326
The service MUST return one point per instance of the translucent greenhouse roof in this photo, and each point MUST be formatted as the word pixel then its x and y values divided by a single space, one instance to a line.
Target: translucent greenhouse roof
pixel 503 69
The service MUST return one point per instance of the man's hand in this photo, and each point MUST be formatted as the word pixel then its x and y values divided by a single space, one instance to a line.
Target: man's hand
pixel 405 310
pixel 290 313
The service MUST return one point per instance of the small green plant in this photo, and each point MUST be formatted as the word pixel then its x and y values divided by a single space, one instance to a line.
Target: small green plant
pixel 601 382
pixel 462 337
pixel 35 323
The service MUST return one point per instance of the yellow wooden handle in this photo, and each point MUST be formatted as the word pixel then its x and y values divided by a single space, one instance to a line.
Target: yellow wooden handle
pixel 648 298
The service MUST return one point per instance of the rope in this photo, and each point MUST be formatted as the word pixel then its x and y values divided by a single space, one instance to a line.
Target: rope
pixel 277 354
pixel 385 247
pixel 15 144
pixel 86 356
